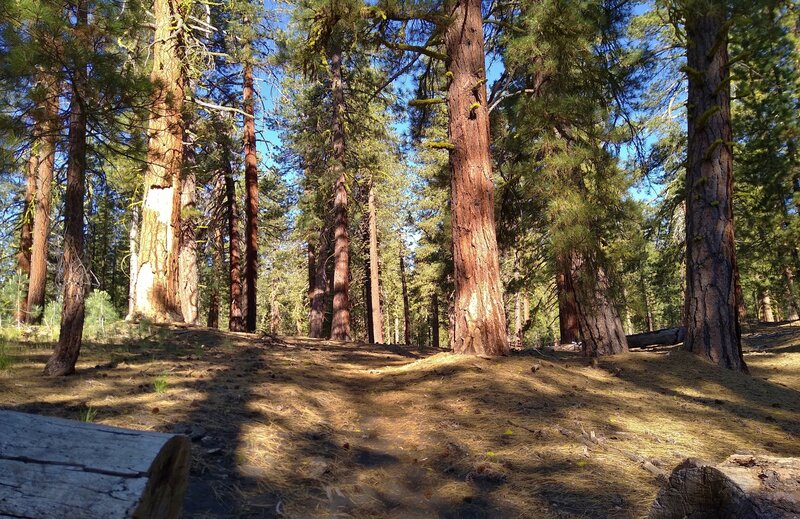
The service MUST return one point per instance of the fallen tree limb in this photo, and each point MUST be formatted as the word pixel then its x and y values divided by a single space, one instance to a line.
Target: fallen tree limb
pixel 665 337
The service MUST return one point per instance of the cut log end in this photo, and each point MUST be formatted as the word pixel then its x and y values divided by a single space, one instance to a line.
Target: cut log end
pixel 742 486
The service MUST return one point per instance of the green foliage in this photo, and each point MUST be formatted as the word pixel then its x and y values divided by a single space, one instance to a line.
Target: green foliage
pixel 88 414
pixel 100 314
pixel 160 384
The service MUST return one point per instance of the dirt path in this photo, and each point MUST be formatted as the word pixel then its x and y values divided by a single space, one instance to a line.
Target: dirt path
pixel 300 428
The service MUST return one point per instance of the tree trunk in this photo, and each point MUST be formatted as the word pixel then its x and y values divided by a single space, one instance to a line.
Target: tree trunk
pixel 406 313
pixel 217 251
pixel 435 321
pixel 765 306
pixel 187 258
pixel 26 235
pixel 517 320
pixel 374 272
pixel 157 277
pixel 236 317
pixel 567 309
pixel 666 337
pixel 76 274
pixel 318 293
pixel 599 324
pixel 47 129
pixel 340 326
pixel 480 320
pixel 274 310
pixel 757 487
pixel 712 323
pixel 791 293
pixel 251 199
pixel 133 261
pixel 647 310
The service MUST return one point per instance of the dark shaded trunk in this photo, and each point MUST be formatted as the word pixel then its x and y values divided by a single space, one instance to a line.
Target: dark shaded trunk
pixel 479 316
pixel 712 322
pixel 319 291
pixel 251 199
pixel 26 236
pixel 664 337
pixel 217 251
pixel 340 326
pixel 46 129
pixel 236 317
pixel 368 302
pixel 406 313
pixel 599 325
pixel 133 261
pixel 791 294
pixel 374 297
pixel 567 309
pixel 76 273
pixel 647 310
pixel 435 321
pixel 157 283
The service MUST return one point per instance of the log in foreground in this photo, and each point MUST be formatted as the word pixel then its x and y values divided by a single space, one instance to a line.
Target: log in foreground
pixel 743 486
pixel 55 468
pixel 665 337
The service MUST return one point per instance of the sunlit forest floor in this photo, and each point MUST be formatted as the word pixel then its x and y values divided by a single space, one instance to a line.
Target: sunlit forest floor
pixel 291 427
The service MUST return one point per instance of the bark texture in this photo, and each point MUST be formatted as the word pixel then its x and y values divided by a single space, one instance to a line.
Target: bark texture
pixel 406 311
pixel 52 468
pixel 765 307
pixel 26 235
pixel 712 322
pixel 235 313
pixel 791 294
pixel 667 336
pixel 217 248
pixel 567 308
pixel 599 325
pixel 189 277
pixel 251 199
pixel 435 320
pixel 340 326
pixel 133 261
pixel 376 320
pixel 318 290
pixel 756 487
pixel 46 129
pixel 76 275
pixel 157 273
pixel 479 314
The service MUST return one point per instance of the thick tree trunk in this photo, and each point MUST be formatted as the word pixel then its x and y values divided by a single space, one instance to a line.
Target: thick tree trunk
pixel 712 323
pixel 157 277
pixel 76 274
pixel 599 324
pixel 47 129
pixel 567 308
pixel 340 326
pixel 665 337
pixel 187 258
pixel 376 314
pixel 251 199
pixel 235 314
pixel 480 320
pixel 133 261
pixel 406 311
pixel 791 293
pixel 435 321
pixel 26 235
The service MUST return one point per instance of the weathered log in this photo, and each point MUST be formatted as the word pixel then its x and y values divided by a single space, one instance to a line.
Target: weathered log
pixel 665 337
pixel 55 468
pixel 743 486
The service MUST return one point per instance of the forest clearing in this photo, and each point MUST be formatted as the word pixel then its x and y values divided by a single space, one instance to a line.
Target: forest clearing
pixel 296 427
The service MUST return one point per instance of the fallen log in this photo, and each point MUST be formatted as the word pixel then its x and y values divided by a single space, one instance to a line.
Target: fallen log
pixel 665 337
pixel 55 468
pixel 743 486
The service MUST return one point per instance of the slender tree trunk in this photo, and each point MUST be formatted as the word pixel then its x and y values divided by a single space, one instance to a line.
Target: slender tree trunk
pixel 251 199
pixel 712 322
pixel 236 316
pixel 567 308
pixel 599 324
pixel 76 277
pixel 26 234
pixel 374 272
pixel 340 326
pixel 157 284
pixel 791 293
pixel 217 251
pixel 765 304
pixel 480 320
pixel 187 258
pixel 275 314
pixel 368 303
pixel 517 320
pixel 133 261
pixel 435 321
pixel 647 310
pixel 47 127
pixel 318 294
pixel 406 312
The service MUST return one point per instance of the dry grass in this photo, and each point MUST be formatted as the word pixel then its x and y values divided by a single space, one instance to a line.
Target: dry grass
pixel 303 428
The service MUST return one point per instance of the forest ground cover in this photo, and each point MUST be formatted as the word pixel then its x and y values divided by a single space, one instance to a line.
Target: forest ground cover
pixel 296 427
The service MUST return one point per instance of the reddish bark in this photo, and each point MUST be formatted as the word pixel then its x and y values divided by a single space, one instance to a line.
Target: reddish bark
pixel 406 313
pixel 712 323
pixel 318 288
pixel 251 199
pixel 479 316
pixel 435 320
pixel 235 316
pixel 26 234
pixel 374 296
pixel 567 310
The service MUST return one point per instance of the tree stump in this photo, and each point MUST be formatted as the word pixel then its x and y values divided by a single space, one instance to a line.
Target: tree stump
pixel 743 486
pixel 55 468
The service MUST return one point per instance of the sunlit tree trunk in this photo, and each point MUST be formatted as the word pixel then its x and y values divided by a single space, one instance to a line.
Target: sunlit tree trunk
pixel 340 326
pixel 235 313
pixel 479 320
pixel 47 129
pixel 157 285
pixel 406 311
pixel 187 258
pixel 26 235
pixel 318 292
pixel 133 261
pixel 76 275
pixel 765 306
pixel 251 199
pixel 374 272
pixel 712 323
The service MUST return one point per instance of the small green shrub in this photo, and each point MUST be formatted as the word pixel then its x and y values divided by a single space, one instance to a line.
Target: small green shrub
pixel 160 384
pixel 6 360
pixel 100 314
pixel 87 414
